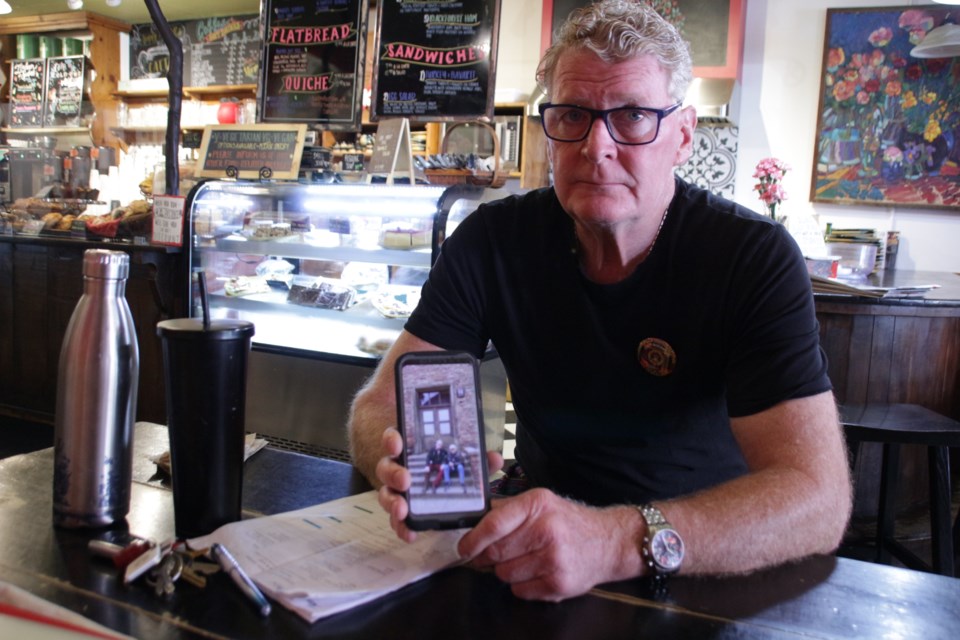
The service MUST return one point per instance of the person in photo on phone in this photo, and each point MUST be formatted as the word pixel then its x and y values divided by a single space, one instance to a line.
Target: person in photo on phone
pixel 674 410
pixel 454 462
pixel 436 462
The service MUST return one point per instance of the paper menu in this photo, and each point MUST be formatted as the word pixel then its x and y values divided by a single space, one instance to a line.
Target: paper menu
pixel 333 556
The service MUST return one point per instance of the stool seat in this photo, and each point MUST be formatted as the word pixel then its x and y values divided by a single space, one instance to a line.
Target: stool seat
pixel 893 425
pixel 900 423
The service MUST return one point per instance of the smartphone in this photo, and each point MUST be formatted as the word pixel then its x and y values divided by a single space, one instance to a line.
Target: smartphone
pixel 440 417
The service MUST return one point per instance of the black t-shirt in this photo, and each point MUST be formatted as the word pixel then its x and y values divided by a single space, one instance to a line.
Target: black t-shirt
pixel 605 414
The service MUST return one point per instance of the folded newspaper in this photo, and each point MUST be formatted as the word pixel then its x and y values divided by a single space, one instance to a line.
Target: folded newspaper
pixel 251 444
pixel 840 287
pixel 333 556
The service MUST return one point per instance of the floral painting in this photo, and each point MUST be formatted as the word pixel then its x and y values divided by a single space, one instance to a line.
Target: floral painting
pixel 888 129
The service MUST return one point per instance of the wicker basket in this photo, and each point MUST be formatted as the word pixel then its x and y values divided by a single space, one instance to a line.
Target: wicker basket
pixel 494 179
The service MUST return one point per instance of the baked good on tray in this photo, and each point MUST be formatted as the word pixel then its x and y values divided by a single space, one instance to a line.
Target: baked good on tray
pixel 322 294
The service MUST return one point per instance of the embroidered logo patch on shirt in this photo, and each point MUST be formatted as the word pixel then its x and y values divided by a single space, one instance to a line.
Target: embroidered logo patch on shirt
pixel 656 357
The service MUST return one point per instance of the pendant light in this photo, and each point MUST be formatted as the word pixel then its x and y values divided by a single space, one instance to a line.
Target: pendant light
pixel 942 42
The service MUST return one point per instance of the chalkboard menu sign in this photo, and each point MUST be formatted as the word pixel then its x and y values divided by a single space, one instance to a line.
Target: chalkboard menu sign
pixel 63 104
pixel 705 24
pixel 26 92
pixel 436 60
pixel 254 151
pixel 216 51
pixel 313 58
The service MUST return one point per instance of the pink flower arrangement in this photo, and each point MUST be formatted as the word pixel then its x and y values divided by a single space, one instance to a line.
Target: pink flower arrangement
pixel 770 172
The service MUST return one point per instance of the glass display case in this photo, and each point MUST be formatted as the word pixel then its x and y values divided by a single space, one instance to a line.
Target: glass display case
pixel 328 274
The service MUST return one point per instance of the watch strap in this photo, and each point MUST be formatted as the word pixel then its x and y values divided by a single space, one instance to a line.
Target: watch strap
pixel 653 516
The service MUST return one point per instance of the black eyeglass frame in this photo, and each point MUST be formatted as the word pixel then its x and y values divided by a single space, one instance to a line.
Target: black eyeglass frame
pixel 604 114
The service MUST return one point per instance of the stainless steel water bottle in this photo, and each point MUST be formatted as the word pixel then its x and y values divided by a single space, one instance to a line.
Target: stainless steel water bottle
pixel 96 399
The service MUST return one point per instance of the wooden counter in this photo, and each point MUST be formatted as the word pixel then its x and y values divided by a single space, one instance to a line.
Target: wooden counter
pixel 41 281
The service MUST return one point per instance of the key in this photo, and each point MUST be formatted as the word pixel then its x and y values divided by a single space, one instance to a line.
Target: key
pixel 194 571
pixel 204 568
pixel 190 576
pixel 167 574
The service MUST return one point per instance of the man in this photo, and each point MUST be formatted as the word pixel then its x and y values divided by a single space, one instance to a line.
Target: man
pixel 660 342
pixel 436 465
pixel 454 462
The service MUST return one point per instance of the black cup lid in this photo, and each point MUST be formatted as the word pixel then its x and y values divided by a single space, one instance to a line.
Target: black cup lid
pixel 192 329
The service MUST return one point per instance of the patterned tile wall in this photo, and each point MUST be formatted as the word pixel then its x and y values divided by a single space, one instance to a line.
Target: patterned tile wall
pixel 714 160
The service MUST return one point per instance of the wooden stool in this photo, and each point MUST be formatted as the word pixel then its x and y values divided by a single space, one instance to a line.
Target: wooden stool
pixel 893 425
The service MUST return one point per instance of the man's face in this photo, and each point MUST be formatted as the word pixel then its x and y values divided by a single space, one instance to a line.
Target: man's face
pixel 598 180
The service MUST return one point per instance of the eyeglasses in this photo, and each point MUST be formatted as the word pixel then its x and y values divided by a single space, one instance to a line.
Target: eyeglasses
pixel 627 125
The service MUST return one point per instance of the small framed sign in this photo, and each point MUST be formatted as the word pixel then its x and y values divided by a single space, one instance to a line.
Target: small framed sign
pixel 26 92
pixel 258 151
pixel 65 89
pixel 168 219
pixel 392 152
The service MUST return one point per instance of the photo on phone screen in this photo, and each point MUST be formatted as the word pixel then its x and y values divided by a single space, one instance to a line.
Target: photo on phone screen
pixel 441 421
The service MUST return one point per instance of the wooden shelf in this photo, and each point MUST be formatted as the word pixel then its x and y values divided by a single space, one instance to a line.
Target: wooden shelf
pixel 103 34
pixel 341 152
pixel 191 92
pixel 119 131
pixel 32 131
pixel 220 89
pixel 66 21
pixel 151 129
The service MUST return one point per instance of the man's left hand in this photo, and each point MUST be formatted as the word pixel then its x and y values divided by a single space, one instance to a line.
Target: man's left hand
pixel 550 548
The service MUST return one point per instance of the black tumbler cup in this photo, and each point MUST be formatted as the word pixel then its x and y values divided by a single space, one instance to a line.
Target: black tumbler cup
pixel 206 378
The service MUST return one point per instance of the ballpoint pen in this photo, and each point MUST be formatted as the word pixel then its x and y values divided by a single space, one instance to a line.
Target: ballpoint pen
pixel 240 578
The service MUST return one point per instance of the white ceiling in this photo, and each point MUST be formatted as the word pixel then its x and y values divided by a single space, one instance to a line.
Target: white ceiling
pixel 135 11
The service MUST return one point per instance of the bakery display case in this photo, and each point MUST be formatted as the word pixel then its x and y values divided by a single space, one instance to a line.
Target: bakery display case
pixel 328 274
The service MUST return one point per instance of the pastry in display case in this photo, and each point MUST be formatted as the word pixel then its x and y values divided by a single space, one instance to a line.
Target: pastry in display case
pixel 328 274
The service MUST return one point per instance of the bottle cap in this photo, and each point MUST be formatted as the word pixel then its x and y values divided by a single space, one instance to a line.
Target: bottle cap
pixel 105 264
pixel 193 329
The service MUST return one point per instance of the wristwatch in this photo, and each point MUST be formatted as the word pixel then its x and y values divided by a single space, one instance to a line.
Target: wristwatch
pixel 662 546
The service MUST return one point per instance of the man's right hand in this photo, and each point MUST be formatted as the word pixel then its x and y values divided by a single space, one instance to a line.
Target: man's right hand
pixel 395 480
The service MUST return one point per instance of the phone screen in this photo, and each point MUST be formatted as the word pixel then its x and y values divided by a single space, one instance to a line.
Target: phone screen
pixel 441 421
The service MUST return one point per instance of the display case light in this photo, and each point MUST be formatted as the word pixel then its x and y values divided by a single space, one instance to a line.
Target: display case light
pixel 5 7
pixel 73 5
pixel 113 3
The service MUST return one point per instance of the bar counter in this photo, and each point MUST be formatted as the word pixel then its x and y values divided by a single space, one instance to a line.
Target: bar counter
pixel 945 295
pixel 820 597
pixel 895 350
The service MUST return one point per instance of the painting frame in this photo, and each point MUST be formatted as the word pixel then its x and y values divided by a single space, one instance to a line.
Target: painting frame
pixel 724 58
pixel 888 123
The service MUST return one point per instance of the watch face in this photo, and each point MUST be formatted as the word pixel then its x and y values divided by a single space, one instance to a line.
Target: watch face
pixel 666 548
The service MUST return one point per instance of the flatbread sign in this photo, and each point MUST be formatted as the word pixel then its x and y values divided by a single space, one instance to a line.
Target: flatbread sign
pixel 258 151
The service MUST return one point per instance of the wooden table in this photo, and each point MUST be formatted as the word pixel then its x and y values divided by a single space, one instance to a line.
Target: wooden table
pixel 821 597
